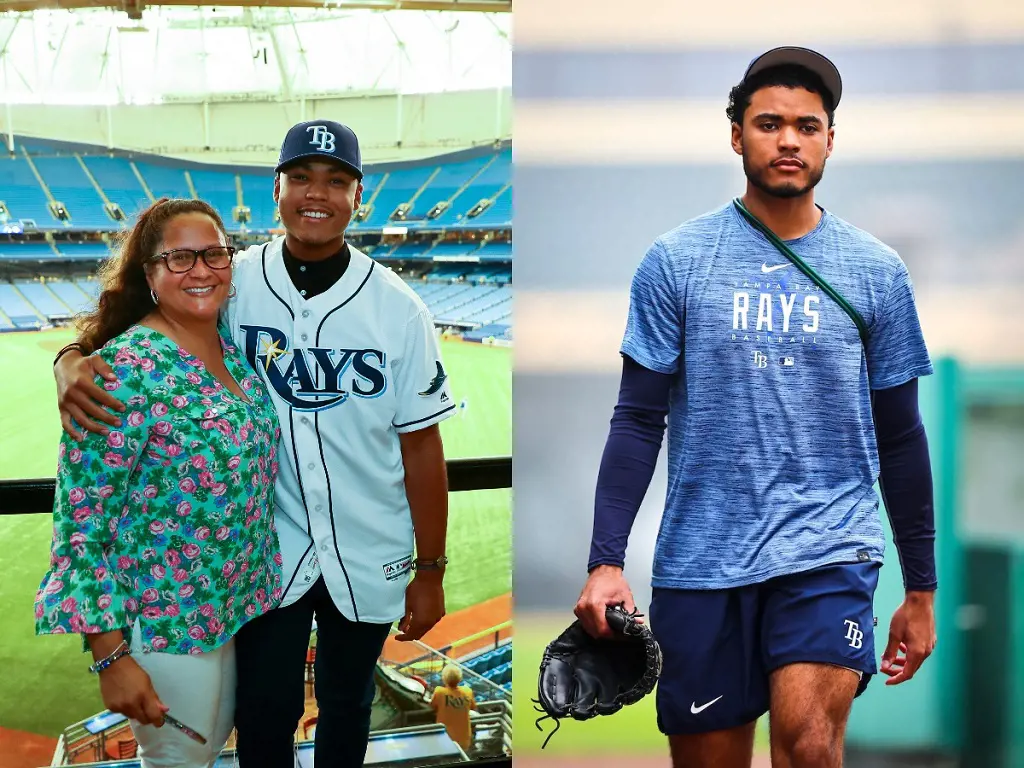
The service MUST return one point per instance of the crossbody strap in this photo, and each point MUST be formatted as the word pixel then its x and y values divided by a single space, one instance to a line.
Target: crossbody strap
pixel 804 267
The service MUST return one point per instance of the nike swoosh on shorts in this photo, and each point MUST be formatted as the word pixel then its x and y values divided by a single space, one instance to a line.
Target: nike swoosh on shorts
pixel 694 709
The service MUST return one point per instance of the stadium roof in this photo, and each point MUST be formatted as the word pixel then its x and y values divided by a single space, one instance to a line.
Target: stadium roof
pixel 242 50
pixel 134 8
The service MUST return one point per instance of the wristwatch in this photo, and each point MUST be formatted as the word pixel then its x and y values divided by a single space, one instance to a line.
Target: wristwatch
pixel 431 565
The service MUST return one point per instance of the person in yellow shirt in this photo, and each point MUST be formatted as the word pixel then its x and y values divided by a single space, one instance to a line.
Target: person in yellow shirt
pixel 452 703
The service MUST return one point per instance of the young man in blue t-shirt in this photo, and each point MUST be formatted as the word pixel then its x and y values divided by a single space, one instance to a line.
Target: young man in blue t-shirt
pixel 780 420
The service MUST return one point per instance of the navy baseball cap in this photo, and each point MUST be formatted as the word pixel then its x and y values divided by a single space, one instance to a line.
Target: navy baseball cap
pixel 322 139
pixel 801 57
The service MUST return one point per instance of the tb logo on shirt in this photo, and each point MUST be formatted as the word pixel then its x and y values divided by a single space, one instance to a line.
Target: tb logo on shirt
pixel 316 377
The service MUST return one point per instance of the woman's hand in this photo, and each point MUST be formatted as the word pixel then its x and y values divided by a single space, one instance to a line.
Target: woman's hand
pixel 127 689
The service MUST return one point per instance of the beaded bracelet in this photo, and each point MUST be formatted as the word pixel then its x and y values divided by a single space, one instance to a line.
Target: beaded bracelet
pixel 120 651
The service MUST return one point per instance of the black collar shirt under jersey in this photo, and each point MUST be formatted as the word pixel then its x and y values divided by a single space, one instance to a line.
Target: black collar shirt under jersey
pixel 311 278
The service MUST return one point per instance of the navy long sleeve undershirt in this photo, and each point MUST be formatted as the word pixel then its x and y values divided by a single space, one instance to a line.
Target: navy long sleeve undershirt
pixel 635 437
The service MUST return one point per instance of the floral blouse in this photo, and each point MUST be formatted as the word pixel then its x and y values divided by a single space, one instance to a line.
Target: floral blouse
pixel 168 519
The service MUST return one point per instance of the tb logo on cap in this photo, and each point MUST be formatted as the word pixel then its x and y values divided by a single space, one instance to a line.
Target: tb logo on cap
pixel 322 138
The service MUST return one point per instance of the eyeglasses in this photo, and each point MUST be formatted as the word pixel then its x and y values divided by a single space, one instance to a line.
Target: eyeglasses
pixel 183 259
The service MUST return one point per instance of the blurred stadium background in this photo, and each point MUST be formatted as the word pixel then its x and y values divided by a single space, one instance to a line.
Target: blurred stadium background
pixel 106 109
pixel 621 134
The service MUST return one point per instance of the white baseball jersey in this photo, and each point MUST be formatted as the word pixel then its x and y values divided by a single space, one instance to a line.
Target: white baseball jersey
pixel 348 370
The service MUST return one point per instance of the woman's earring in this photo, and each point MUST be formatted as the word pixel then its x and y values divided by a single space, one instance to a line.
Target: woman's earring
pixel 152 293
pixel 232 292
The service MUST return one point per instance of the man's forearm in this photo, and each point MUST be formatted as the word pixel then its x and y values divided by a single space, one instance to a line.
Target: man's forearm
pixel 426 487
pixel 630 456
pixel 906 484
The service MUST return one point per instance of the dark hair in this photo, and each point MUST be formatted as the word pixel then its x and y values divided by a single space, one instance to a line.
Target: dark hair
pixel 786 75
pixel 125 298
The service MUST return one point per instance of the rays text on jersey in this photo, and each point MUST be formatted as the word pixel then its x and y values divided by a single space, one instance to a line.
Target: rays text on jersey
pixel 316 377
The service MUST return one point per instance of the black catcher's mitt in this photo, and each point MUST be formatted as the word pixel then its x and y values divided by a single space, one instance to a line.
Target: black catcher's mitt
pixel 582 676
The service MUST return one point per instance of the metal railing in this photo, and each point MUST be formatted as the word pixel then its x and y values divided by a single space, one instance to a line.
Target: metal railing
pixel 432 661
pixel 35 496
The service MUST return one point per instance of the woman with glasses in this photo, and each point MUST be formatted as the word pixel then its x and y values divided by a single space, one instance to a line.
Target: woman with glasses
pixel 163 542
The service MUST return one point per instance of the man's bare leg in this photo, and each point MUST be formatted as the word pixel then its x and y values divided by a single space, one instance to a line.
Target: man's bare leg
pixel 732 748
pixel 810 706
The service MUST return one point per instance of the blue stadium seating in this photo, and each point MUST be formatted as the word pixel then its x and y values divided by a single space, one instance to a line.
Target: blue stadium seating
pixel 397 189
pixel 15 249
pixel 449 270
pixel 164 181
pixel 119 183
pixel 494 250
pixel 453 249
pixel 409 251
pixel 443 299
pixel 20 312
pixel 499 214
pixel 494 665
pixel 22 194
pixel 69 185
pixel 467 181
pixel 84 250
pixel 465 283
pixel 450 179
pixel 72 295
pixel 479 299
pixel 89 287
pixel 218 189
pixel 486 185
pixel 43 300
pixel 258 195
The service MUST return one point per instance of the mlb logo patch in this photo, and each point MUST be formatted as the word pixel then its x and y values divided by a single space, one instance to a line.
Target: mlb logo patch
pixel 786 361
pixel 397 568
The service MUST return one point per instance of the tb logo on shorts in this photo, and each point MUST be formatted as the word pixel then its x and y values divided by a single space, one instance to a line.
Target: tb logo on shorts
pixel 854 633
pixel 322 138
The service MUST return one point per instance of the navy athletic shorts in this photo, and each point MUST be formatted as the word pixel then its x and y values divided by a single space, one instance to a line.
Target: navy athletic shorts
pixel 720 646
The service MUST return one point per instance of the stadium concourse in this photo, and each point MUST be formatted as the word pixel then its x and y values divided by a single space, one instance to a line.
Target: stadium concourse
pixel 442 223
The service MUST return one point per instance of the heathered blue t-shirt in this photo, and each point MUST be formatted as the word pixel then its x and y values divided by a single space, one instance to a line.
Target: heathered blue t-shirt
pixel 772 457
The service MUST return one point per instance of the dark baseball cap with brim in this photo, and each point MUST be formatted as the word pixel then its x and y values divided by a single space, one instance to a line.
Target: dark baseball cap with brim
pixel 321 140
pixel 801 57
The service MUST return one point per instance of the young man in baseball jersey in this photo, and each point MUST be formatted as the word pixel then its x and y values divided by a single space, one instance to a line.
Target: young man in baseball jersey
pixel 779 422
pixel 349 353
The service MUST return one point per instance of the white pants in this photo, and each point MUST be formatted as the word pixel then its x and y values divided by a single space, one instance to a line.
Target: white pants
pixel 200 692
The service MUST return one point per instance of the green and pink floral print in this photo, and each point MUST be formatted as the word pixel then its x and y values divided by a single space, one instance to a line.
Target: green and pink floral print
pixel 168 519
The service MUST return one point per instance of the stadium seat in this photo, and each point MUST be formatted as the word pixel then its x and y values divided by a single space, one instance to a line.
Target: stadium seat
pixel 73 296
pixel 164 180
pixel 25 251
pixel 399 187
pixel 20 191
pixel 218 188
pixel 118 182
pixel 69 185
pixel 43 300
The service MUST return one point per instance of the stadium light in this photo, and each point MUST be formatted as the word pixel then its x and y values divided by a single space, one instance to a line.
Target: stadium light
pixel 114 211
pixel 438 209
pixel 59 211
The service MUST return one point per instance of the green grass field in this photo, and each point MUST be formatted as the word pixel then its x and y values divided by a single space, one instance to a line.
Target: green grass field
pixel 45 683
